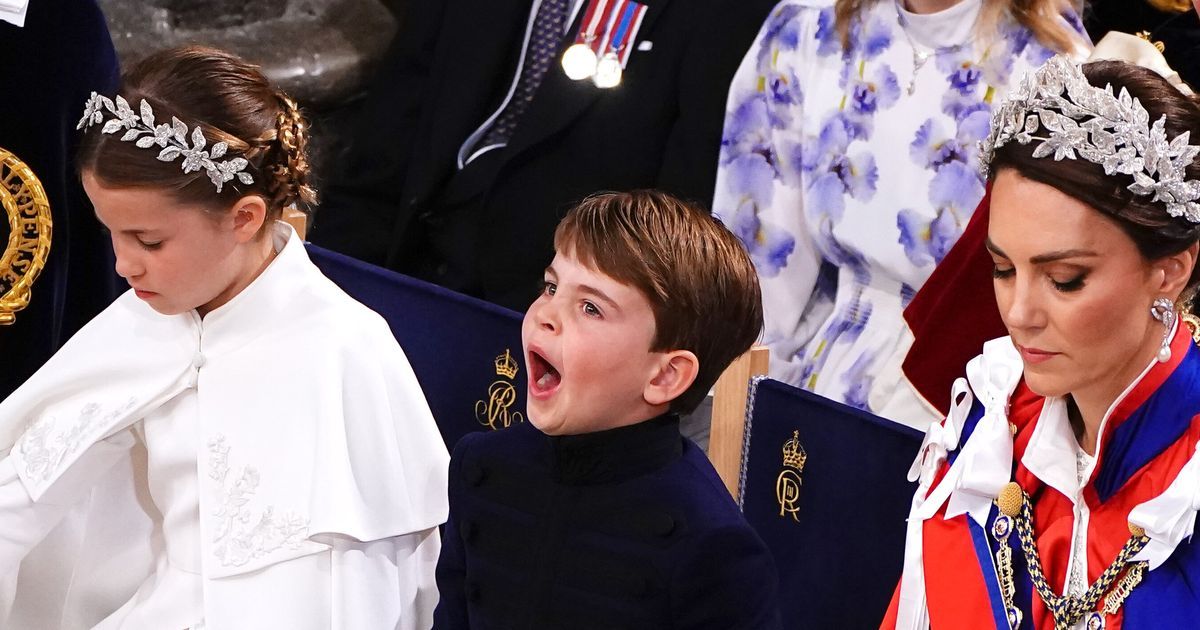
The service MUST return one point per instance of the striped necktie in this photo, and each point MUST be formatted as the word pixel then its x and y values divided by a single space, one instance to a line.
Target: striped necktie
pixel 539 56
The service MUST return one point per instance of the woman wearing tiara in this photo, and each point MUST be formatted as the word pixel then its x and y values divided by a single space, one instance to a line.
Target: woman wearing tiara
pixel 1061 490
pixel 234 443
pixel 849 167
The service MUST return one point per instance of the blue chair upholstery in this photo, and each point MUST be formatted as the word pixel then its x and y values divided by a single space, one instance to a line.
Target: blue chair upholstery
pixel 825 486
pixel 466 352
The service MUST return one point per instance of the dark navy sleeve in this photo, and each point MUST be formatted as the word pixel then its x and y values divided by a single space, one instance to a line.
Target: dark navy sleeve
pixel 451 572
pixel 727 581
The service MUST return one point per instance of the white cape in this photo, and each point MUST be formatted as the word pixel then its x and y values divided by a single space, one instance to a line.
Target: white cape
pixel 313 430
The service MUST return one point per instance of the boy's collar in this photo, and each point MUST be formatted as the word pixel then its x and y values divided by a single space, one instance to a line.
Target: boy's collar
pixel 616 454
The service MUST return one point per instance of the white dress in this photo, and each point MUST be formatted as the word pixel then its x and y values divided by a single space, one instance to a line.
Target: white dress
pixel 850 175
pixel 274 465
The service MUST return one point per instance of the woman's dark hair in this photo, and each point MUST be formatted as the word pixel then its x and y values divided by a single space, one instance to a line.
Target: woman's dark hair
pixel 1156 233
pixel 232 102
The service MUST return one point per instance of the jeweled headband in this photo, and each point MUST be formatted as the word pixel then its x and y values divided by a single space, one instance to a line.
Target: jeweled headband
pixel 172 138
pixel 1110 130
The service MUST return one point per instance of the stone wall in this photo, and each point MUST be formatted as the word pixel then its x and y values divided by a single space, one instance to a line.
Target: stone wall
pixel 322 52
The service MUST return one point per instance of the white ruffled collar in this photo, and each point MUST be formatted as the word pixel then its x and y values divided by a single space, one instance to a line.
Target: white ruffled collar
pixel 984 465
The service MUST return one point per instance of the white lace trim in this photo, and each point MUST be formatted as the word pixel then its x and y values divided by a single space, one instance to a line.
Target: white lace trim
pixel 48 442
pixel 238 536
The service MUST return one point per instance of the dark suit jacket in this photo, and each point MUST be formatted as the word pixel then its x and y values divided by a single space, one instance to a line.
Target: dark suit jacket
pixel 48 68
pixel 450 68
pixel 1179 32
pixel 627 528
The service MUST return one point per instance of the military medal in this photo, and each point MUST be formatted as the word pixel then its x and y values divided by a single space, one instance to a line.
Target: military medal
pixel 615 46
pixel 580 60
pixel 608 71
pixel 602 47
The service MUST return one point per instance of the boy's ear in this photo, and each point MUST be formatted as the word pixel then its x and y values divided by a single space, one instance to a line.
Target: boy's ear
pixel 676 372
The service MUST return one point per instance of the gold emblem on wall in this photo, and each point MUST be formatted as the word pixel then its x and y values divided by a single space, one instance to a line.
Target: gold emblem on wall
pixel 787 484
pixel 28 211
pixel 494 412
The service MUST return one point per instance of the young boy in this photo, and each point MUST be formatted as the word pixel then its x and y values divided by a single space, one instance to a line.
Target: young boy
pixel 597 513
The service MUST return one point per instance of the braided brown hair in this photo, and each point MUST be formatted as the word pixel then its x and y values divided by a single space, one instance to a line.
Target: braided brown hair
pixel 231 101
pixel 290 172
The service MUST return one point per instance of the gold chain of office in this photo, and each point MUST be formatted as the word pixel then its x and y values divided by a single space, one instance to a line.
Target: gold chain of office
pixel 1067 610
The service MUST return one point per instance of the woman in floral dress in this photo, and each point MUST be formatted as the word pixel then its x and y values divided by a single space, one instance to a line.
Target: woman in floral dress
pixel 849 168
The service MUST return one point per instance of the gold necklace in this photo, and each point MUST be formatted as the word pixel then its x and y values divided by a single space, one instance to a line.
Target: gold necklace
pixel 1067 610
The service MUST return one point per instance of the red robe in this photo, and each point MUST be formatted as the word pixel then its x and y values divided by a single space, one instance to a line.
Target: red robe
pixel 1149 436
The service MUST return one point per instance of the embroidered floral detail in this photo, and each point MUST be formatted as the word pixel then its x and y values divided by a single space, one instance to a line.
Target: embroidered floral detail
pixel 47 442
pixel 239 536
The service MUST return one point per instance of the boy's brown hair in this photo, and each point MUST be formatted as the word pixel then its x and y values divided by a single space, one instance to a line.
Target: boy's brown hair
pixel 695 273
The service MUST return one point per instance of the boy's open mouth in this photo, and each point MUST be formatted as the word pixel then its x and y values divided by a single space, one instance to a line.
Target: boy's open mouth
pixel 543 377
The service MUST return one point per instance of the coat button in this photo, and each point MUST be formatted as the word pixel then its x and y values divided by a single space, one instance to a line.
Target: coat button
pixel 473 592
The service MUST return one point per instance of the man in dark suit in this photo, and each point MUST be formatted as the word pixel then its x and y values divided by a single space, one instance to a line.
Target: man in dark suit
pixel 48 67
pixel 417 194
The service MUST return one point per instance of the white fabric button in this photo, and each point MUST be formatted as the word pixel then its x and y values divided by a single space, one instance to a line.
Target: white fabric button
pixel 198 361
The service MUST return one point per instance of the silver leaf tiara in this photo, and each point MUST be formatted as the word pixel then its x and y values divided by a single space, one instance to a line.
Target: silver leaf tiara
pixel 171 138
pixel 1112 131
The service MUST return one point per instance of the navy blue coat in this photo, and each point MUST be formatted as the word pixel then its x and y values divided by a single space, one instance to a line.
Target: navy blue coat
pixel 48 68
pixel 627 528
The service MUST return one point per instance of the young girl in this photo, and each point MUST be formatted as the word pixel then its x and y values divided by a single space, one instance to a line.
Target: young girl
pixel 234 443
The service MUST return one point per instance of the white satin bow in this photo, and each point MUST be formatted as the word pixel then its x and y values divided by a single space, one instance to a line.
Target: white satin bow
pixel 984 463
pixel 982 467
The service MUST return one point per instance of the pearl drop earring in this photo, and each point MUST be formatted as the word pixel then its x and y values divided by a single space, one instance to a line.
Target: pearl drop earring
pixel 1163 310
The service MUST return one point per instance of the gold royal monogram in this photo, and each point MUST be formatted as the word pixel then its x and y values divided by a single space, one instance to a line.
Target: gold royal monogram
pixel 494 412
pixel 787 484
pixel 29 227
